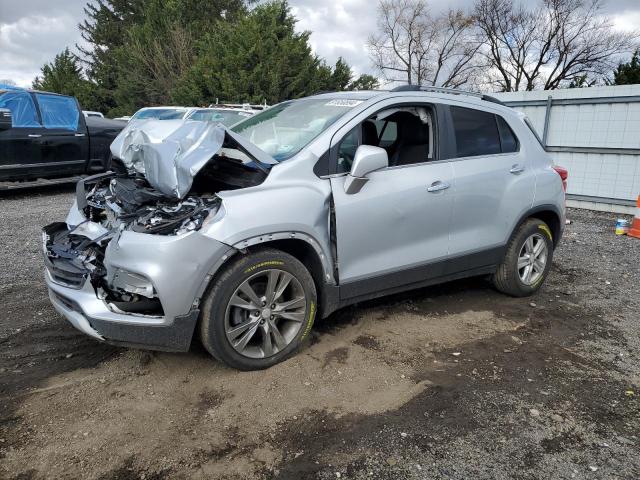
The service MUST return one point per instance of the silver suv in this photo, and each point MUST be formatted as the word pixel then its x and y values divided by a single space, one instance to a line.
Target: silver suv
pixel 243 236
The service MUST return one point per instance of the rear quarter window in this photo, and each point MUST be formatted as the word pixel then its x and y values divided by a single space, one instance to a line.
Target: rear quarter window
pixel 508 139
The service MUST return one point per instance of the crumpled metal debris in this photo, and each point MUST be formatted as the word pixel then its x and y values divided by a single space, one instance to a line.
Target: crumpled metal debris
pixel 170 153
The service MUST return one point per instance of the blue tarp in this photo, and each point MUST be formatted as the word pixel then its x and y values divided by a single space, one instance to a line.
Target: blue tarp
pixel 58 111
pixel 23 111
pixel 4 86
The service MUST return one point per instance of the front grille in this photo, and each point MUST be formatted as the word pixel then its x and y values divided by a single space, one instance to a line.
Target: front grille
pixel 66 278
pixel 61 256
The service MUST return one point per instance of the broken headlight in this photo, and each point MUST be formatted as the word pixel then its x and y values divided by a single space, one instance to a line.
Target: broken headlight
pixel 178 218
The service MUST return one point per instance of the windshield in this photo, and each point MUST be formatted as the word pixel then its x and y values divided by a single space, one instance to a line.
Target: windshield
pixel 160 114
pixel 284 130
pixel 226 117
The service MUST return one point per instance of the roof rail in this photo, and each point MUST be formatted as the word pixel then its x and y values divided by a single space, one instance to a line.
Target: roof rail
pixel 451 91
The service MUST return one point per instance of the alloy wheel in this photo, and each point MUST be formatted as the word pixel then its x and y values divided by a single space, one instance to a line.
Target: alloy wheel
pixel 265 313
pixel 532 259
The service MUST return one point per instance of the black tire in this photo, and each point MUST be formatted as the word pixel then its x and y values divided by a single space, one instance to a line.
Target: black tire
pixel 214 308
pixel 507 278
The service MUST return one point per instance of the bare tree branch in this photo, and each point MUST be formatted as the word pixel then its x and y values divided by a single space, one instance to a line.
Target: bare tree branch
pixel 426 49
pixel 549 45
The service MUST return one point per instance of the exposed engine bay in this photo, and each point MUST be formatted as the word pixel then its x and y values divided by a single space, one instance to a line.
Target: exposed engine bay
pixel 131 204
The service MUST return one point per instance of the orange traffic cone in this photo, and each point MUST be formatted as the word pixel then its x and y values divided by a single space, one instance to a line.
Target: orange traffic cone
pixel 634 231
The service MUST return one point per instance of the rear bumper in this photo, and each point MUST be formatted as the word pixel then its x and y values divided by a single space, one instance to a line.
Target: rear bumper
pixel 93 317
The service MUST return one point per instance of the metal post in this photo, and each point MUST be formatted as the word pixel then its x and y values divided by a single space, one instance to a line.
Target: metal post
pixel 547 117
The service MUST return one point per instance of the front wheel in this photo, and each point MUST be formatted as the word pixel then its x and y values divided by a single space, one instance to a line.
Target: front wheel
pixel 527 261
pixel 259 310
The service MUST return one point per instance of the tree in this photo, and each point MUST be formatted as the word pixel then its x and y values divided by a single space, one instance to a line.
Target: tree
pixel 365 82
pixel 415 47
pixel 157 53
pixel 137 49
pixel 582 81
pixel 549 45
pixel 628 73
pixel 64 76
pixel 341 76
pixel 105 30
pixel 259 57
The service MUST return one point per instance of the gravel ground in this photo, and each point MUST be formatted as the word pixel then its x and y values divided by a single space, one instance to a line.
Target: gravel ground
pixel 452 382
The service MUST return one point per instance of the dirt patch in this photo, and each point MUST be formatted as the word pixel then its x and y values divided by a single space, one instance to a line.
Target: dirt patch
pixel 367 341
pixel 175 407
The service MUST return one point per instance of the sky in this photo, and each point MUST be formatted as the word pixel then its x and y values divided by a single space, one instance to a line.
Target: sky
pixel 32 32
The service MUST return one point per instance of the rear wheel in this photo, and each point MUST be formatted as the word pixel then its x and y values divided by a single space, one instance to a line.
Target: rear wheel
pixel 527 261
pixel 259 310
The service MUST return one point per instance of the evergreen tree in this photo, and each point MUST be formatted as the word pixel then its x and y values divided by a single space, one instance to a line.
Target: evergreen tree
pixel 64 75
pixel 151 52
pixel 258 58
pixel 104 30
pixel 365 82
pixel 628 73
pixel 341 76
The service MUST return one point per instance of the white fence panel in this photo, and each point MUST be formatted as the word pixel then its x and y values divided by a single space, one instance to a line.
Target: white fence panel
pixel 594 133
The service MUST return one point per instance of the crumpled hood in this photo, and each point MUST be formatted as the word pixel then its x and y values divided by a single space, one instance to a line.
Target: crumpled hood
pixel 170 153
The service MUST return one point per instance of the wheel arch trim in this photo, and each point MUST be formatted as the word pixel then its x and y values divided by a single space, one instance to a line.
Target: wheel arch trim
pixel 538 212
pixel 268 238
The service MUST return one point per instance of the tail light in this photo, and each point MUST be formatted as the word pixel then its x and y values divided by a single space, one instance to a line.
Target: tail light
pixel 564 174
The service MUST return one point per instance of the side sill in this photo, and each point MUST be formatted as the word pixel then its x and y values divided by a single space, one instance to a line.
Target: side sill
pixel 344 302
pixel 476 263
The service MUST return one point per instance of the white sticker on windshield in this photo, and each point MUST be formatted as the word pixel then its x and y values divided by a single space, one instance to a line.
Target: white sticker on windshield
pixel 344 103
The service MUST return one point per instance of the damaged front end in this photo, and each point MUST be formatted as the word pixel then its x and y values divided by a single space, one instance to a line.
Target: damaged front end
pixel 129 240
pixel 113 202
pixel 108 208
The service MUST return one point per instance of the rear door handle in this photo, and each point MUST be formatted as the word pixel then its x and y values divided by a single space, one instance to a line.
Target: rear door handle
pixel 516 169
pixel 438 186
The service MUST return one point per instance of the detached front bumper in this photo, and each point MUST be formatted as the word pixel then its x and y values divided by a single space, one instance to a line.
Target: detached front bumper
pixel 179 267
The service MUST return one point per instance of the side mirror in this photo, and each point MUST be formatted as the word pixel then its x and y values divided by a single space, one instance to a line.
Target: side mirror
pixel 5 119
pixel 368 159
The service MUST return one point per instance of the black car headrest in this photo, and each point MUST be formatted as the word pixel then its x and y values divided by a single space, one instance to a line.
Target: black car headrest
pixel 369 133
pixel 414 132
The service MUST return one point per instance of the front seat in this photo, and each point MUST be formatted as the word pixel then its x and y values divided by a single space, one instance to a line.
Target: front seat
pixel 413 142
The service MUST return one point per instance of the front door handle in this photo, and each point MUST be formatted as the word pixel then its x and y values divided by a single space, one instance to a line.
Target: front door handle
pixel 438 186
pixel 516 169
pixel 34 135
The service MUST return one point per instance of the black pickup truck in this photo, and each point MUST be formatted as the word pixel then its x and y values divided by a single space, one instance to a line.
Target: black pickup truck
pixel 46 136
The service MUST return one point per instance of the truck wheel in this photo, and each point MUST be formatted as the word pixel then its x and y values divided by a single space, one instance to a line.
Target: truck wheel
pixel 259 310
pixel 527 261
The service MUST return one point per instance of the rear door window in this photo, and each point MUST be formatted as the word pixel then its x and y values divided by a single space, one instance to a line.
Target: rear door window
pixel 58 112
pixel 23 110
pixel 476 132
